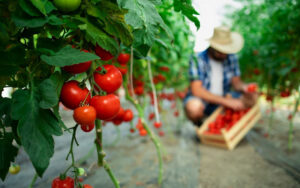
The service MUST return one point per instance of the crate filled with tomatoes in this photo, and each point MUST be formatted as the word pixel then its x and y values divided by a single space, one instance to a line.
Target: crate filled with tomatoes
pixel 225 128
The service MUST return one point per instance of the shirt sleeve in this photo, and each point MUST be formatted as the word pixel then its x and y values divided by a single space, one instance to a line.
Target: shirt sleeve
pixel 196 71
pixel 235 67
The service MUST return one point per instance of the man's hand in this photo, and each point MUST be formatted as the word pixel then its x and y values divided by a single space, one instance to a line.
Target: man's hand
pixel 235 104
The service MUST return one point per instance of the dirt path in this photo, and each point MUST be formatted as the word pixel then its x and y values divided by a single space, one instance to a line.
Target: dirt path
pixel 187 163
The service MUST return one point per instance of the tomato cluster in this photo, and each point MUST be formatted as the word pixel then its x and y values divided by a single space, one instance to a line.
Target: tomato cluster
pixel 107 79
pixel 225 121
pixel 122 116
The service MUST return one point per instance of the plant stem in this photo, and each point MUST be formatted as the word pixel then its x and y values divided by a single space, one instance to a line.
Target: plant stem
pixel 271 117
pixel 291 125
pixel 98 142
pixel 153 92
pixel 155 140
pixel 111 175
pixel 33 180
pixel 131 73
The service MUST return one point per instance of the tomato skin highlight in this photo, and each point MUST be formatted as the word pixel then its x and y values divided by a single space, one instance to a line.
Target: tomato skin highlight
pixel 72 95
pixel 123 58
pixel 128 115
pixel 66 183
pixel 110 81
pixel 87 128
pixel 85 115
pixel 107 107
pixel 103 54
pixel 67 5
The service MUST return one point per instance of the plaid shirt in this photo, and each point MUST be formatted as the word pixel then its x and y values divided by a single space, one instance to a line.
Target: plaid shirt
pixel 201 70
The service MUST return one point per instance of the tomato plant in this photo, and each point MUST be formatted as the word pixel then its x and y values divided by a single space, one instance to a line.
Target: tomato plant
pixel 41 60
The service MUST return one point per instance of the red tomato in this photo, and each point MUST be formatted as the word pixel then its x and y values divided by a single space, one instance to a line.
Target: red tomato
pixel 122 69
pixel 285 93
pixel 87 186
pixel 290 117
pixel 161 133
pixel 87 128
pixel 123 58
pixel 103 54
pixel 85 115
pixel 269 98
pixel 252 88
pixel 139 124
pixel 176 113
pixel 120 114
pixel 256 71
pixel 143 132
pixel 117 122
pixel 72 95
pixel 155 80
pixel 78 68
pixel 139 90
pixel 132 130
pixel 66 183
pixel 110 81
pixel 157 124
pixel 128 115
pixel 161 77
pixel 164 68
pixel 107 107
pixel 138 83
pixel 151 116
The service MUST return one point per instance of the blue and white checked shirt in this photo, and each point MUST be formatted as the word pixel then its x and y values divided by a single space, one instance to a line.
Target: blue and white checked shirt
pixel 201 70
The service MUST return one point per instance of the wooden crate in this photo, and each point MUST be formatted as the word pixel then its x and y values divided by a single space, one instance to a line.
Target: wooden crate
pixel 229 139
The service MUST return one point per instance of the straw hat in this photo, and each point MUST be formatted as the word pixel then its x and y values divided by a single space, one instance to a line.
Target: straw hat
pixel 226 41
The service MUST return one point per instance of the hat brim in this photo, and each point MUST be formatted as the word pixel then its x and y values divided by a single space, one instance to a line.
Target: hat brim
pixel 235 46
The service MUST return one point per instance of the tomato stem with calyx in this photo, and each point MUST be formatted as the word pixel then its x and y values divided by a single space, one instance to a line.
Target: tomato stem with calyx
pixel 103 70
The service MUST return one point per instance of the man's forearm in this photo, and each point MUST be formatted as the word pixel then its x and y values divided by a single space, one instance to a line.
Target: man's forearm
pixel 238 84
pixel 208 96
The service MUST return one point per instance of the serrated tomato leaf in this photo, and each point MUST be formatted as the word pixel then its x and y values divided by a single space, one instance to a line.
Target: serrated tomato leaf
pixel 68 56
pixel 35 128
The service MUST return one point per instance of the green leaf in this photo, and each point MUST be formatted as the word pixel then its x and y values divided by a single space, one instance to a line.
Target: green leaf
pixel 35 128
pixel 23 20
pixel 8 152
pixel 96 36
pixel 48 95
pixel 40 5
pixel 186 8
pixel 144 19
pixel 29 8
pixel 68 56
pixel 113 19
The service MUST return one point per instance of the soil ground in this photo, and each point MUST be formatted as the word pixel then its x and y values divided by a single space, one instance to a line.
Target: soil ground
pixel 187 163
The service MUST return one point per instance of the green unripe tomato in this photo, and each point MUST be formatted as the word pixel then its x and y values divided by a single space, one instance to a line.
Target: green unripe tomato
pixel 80 171
pixel 14 169
pixel 67 5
